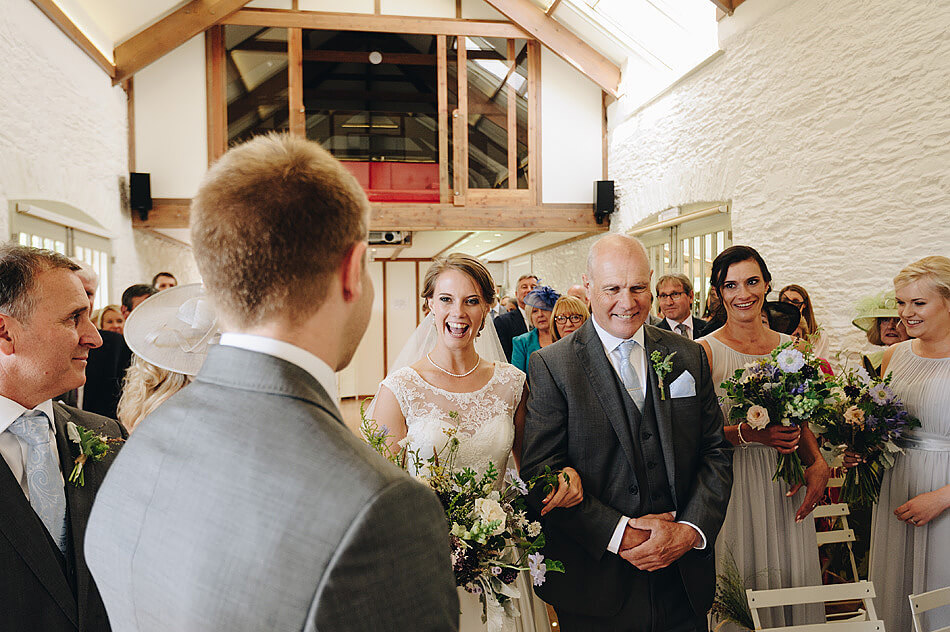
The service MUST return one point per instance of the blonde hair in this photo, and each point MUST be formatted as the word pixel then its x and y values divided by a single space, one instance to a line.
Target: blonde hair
pixel 100 314
pixel 935 269
pixel 567 305
pixel 145 387
pixel 272 221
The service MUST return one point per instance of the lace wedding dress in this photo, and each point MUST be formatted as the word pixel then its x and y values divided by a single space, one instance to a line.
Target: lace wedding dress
pixel 484 425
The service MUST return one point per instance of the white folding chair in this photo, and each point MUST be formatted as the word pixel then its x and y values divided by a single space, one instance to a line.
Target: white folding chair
pixel 863 591
pixel 839 513
pixel 930 600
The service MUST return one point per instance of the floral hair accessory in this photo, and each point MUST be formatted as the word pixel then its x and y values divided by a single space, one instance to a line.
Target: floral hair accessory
pixel 542 297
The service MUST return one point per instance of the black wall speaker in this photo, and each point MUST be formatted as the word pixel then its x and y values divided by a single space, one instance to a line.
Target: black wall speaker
pixel 603 199
pixel 140 194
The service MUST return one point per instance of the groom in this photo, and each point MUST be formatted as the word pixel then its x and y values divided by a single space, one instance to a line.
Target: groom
pixel 655 465
pixel 243 502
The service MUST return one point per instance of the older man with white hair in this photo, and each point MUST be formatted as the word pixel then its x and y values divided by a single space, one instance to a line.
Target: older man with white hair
pixel 633 409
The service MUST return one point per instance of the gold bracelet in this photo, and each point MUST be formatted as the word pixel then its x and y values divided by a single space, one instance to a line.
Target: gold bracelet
pixel 742 441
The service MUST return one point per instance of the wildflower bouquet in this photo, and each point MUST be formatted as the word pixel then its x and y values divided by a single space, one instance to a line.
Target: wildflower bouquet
pixel 490 534
pixel 786 388
pixel 869 418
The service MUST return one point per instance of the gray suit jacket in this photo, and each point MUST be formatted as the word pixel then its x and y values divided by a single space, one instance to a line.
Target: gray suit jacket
pixel 244 503
pixel 577 417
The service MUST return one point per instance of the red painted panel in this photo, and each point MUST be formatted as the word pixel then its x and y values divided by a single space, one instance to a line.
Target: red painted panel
pixel 397 181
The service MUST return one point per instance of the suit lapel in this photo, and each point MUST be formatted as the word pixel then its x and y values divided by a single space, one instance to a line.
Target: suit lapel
pixel 27 536
pixel 590 353
pixel 79 503
pixel 661 406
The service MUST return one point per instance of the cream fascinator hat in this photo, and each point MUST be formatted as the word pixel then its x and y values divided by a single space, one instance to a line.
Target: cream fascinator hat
pixel 870 308
pixel 172 329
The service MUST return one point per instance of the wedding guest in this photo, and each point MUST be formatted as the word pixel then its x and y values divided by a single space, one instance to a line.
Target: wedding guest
pixel 577 291
pixel 244 503
pixel 568 315
pixel 797 295
pixel 45 336
pixel 877 316
pixel 109 318
pixel 674 294
pixel 516 322
pixel 540 301
pixel 767 526
pixel 106 364
pixel 509 303
pixel 169 334
pixel 911 525
pixel 163 281
pixel 133 296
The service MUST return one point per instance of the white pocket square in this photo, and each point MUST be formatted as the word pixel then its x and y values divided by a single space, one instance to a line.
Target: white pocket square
pixel 683 386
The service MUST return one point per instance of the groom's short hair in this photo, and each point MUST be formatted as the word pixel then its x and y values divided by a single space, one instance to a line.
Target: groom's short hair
pixel 272 220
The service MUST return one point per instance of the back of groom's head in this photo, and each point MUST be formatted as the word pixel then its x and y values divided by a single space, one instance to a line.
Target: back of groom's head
pixel 272 221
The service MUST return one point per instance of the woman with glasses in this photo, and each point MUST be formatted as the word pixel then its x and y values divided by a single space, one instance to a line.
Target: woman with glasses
pixel 798 296
pixel 539 302
pixel 569 314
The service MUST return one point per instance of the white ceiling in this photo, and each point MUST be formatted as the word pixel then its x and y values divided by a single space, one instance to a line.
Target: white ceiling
pixel 493 246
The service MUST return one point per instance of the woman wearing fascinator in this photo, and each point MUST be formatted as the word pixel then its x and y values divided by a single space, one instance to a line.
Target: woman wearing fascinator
pixel 169 334
pixel 540 303
pixel 452 375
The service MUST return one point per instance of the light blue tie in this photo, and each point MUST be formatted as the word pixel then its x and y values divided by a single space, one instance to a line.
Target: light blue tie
pixel 628 373
pixel 43 477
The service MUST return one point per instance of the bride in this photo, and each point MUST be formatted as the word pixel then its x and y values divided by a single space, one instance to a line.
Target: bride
pixel 444 370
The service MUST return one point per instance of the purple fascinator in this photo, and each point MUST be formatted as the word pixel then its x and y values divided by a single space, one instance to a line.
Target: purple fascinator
pixel 542 297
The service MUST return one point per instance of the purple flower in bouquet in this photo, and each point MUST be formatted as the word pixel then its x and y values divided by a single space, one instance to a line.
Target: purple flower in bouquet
pixel 496 570
pixel 513 479
pixel 790 360
pixel 881 394
pixel 537 568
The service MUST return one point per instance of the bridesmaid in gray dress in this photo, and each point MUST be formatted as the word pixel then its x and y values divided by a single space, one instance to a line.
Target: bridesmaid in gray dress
pixel 767 528
pixel 911 526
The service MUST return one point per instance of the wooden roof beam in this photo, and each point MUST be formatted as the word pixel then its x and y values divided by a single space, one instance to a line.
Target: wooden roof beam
pixel 562 42
pixel 727 6
pixel 169 33
pixel 61 20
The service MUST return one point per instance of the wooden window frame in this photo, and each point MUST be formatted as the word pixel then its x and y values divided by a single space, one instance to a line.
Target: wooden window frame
pixel 451 194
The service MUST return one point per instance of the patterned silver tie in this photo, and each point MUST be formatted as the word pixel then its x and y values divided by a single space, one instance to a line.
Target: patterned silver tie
pixel 43 478
pixel 628 373
pixel 683 329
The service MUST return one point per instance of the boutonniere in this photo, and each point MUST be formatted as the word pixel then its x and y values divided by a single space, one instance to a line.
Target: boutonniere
pixel 91 447
pixel 662 366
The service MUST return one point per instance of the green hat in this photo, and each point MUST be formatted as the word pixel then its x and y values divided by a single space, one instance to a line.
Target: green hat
pixel 870 308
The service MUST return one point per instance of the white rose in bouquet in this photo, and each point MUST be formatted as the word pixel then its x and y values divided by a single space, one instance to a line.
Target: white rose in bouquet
pixel 489 510
pixel 757 417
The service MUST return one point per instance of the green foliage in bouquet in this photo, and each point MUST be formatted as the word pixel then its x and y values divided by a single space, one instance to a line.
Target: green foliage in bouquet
pixel 731 604
pixel 491 537
pixel 787 388
pixel 868 419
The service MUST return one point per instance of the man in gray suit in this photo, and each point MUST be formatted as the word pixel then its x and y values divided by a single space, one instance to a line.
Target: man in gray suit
pixel 243 502
pixel 656 468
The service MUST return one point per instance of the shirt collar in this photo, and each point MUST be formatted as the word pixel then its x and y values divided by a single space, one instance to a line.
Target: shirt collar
pixel 10 411
pixel 310 363
pixel 611 341
pixel 674 324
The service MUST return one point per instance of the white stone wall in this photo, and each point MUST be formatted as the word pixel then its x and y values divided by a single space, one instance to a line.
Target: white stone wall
pixel 827 125
pixel 64 134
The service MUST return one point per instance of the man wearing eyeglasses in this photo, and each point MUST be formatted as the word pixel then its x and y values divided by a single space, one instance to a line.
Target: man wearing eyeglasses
pixel 674 294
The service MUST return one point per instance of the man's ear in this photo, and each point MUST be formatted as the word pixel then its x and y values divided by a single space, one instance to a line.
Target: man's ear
pixel 352 270
pixel 6 336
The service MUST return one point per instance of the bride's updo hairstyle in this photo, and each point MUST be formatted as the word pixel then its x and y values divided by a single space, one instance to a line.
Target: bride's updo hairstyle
pixel 720 267
pixel 467 265
pixel 935 269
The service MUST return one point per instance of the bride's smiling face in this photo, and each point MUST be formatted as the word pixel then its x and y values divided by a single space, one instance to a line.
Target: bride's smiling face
pixel 458 308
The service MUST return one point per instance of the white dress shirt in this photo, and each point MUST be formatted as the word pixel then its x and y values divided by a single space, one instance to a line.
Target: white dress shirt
pixel 310 363
pixel 688 323
pixel 527 321
pixel 13 449
pixel 638 358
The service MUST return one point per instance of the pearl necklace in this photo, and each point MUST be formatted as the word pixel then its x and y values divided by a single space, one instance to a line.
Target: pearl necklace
pixel 466 374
